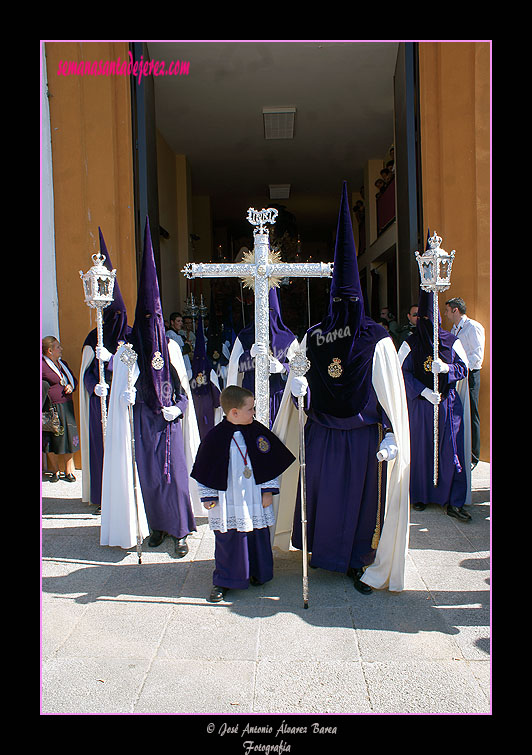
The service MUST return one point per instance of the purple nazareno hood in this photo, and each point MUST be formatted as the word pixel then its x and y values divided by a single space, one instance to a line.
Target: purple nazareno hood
pixel 148 335
pixel 341 347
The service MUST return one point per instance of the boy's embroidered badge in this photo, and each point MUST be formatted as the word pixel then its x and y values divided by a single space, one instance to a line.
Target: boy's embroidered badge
pixel 263 444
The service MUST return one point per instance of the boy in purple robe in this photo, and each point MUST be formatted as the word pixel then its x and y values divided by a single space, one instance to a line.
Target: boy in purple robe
pixel 237 469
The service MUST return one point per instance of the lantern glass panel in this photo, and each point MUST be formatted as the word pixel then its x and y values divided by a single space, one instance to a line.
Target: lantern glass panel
pixel 103 286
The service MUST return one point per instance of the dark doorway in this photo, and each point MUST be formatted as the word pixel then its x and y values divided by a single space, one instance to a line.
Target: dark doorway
pixel 144 158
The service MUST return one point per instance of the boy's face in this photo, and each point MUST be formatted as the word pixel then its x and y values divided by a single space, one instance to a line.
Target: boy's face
pixel 245 415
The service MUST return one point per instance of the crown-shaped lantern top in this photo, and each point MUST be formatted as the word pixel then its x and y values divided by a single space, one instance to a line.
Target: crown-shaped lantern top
pixel 435 266
pixel 98 283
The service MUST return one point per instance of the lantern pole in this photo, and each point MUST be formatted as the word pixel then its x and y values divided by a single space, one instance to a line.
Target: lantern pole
pixel 101 368
pixel 435 340
pixel 435 266
pixel 299 365
pixel 98 285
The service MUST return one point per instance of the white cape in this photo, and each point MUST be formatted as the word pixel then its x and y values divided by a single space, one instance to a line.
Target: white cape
pixel 119 515
pixel 389 566
pixel 191 436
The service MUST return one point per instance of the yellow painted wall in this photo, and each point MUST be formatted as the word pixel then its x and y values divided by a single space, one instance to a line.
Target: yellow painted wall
pixel 455 144
pixel 169 248
pixel 90 121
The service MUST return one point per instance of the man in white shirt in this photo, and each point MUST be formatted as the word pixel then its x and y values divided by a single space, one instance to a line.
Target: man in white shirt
pixel 471 334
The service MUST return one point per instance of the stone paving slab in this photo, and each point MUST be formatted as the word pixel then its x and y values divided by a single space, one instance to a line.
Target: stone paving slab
pixel 124 638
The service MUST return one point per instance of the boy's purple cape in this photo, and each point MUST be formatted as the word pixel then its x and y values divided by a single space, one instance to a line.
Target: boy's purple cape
pixel 268 456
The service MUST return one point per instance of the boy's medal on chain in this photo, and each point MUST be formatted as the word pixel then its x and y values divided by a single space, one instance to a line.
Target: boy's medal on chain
pixel 247 470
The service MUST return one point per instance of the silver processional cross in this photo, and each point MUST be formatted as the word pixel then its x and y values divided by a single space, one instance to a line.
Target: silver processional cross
pixel 263 270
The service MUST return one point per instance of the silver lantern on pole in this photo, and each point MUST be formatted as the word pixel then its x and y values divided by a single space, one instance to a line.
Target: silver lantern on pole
pixel 435 265
pixel 191 309
pixel 203 309
pixel 98 285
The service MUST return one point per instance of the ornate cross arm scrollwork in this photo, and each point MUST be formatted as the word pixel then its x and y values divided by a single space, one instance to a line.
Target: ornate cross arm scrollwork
pixel 300 269
pixel 217 270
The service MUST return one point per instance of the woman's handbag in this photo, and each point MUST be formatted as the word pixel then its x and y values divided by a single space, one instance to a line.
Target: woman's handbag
pixel 51 422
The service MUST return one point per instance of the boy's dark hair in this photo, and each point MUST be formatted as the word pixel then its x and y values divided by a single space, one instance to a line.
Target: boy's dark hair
pixel 233 397
pixel 459 303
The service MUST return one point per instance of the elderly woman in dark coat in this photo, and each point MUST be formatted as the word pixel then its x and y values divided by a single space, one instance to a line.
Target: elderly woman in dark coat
pixel 58 375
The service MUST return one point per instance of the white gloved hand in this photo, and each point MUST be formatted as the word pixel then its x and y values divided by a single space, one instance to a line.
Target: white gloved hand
pixel 101 390
pixel 299 386
pixel 103 354
pixel 388 448
pixel 439 366
pixel 276 366
pixel 171 412
pixel 129 396
pixel 258 348
pixel 431 396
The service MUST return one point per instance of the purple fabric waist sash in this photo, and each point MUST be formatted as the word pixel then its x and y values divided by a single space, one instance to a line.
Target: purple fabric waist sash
pixel 367 417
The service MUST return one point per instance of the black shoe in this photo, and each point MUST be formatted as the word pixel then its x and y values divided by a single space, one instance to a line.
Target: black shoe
pixel 458 513
pixel 419 506
pixel 97 511
pixel 181 547
pixel 156 538
pixel 255 582
pixel 69 478
pixel 217 594
pixel 356 574
pixel 54 477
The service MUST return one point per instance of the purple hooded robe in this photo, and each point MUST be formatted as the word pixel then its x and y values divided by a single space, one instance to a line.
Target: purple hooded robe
pixel 343 417
pixel 205 394
pixel 159 446
pixel 452 479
